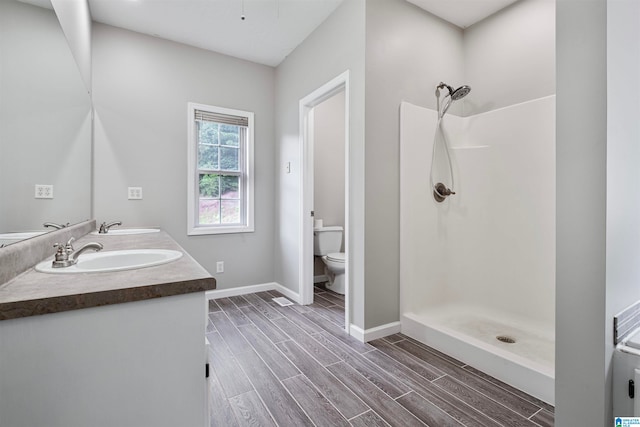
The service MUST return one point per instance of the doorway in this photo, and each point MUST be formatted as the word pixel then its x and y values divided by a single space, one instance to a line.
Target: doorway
pixel 339 85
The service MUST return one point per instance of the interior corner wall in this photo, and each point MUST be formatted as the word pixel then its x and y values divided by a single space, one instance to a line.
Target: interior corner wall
pixel 75 19
pixel 141 87
pixel 336 46
pixel 583 396
pixel 623 173
pixel 507 70
pixel 408 52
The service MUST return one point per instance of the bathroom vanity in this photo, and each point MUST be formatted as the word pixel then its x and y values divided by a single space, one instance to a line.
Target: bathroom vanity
pixel 122 348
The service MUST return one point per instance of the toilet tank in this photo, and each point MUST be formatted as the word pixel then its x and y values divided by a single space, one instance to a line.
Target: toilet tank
pixel 327 240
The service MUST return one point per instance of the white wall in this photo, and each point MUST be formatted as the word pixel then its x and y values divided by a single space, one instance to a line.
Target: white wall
pixel 582 394
pixel 45 127
pixel 336 46
pixel 329 158
pixel 623 171
pixel 141 86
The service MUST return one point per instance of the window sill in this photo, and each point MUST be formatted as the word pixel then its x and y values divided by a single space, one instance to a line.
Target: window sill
pixel 203 231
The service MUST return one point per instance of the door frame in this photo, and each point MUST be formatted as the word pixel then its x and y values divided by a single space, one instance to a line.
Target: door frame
pixel 307 104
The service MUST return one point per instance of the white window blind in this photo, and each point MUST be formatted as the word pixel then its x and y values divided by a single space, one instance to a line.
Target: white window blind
pixel 221 118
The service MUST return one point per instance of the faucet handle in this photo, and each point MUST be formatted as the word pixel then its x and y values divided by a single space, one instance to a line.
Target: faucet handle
pixel 69 246
pixel 62 254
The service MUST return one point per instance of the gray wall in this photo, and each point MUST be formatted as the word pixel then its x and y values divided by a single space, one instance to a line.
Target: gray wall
pixel 328 159
pixel 509 57
pixel 141 86
pixel 409 51
pixel 623 171
pixel 45 127
pixel 582 393
pixel 334 47
pixel 75 19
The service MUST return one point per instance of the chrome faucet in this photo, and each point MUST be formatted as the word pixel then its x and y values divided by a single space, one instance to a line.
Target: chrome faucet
pixel 54 225
pixel 104 227
pixel 66 255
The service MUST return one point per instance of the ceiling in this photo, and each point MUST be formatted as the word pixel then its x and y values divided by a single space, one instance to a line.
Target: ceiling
pixel 462 13
pixel 270 31
pixel 271 28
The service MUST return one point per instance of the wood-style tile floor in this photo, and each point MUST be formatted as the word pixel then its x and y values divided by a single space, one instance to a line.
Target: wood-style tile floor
pixel 295 366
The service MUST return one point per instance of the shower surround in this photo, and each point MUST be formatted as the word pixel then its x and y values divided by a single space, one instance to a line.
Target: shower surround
pixel 481 265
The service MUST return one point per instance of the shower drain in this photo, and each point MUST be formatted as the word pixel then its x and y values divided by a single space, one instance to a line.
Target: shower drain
pixel 506 339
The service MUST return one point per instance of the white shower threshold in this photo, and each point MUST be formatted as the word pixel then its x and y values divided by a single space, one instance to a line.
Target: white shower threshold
pixel 470 336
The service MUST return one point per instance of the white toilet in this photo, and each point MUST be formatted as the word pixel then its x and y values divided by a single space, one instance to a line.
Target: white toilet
pixel 327 242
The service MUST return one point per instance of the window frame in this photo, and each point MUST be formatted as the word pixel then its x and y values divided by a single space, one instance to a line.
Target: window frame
pixel 245 158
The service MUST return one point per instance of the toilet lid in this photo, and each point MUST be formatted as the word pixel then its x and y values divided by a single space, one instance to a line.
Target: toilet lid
pixel 336 256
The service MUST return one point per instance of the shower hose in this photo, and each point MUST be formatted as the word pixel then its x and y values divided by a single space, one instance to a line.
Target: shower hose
pixel 441 113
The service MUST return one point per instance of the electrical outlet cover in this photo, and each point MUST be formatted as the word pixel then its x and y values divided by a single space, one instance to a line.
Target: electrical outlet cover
pixel 43 191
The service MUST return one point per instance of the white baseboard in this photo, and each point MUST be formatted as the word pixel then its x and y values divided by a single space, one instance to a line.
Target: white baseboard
pixel 374 333
pixel 250 289
pixel 295 296
pixel 240 290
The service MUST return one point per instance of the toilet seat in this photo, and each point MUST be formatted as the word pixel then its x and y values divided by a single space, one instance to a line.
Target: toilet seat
pixel 336 257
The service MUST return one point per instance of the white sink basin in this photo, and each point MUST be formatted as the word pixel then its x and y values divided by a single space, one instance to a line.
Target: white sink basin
pixel 109 261
pixel 127 231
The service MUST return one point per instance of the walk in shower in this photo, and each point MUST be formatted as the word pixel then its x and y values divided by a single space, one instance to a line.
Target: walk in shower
pixel 477 269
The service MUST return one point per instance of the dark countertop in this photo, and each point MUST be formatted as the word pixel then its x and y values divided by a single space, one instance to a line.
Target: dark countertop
pixel 34 293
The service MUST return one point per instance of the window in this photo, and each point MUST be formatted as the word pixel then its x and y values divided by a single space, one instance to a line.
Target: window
pixel 220 189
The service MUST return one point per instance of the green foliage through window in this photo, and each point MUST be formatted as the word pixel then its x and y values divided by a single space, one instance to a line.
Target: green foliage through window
pixel 219 186
pixel 218 146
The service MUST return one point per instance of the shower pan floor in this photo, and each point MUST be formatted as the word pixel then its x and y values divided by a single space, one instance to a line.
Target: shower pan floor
pixel 529 344
pixel 471 334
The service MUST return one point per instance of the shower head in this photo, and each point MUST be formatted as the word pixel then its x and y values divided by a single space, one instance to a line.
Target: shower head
pixel 453 95
pixel 456 94
pixel 459 93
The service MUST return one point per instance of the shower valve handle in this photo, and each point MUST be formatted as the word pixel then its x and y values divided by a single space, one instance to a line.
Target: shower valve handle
pixel 443 190
pixel 440 192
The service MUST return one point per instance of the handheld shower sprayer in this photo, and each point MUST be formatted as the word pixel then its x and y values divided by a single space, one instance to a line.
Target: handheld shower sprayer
pixel 440 190
pixel 453 95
